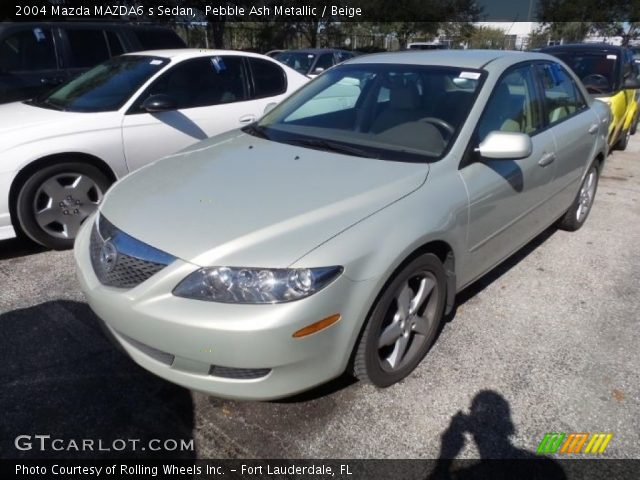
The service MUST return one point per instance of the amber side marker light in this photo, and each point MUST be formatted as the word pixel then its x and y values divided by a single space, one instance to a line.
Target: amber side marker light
pixel 317 326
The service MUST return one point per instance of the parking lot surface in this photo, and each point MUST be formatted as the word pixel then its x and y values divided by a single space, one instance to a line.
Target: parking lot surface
pixel 548 342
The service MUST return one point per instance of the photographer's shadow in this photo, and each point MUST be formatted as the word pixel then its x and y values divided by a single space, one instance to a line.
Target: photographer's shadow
pixel 490 426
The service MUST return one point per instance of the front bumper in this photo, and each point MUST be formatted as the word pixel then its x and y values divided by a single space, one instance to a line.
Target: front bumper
pixel 182 340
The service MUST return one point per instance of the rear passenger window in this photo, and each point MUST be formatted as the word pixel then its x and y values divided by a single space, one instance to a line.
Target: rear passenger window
pixel 28 50
pixel 269 79
pixel 88 47
pixel 562 97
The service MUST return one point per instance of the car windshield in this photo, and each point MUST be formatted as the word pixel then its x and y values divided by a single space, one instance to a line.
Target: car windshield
pixel 597 70
pixel 299 61
pixel 105 87
pixel 391 112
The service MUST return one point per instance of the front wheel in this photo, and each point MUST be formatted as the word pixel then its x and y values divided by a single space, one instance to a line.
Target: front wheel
pixel 625 136
pixel 403 323
pixel 577 214
pixel 54 202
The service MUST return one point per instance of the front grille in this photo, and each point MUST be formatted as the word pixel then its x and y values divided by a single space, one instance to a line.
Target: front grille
pixel 125 262
pixel 238 373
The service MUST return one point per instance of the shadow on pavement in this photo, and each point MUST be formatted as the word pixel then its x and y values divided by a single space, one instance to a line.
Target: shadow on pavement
pixel 61 377
pixel 490 426
pixel 482 283
pixel 19 247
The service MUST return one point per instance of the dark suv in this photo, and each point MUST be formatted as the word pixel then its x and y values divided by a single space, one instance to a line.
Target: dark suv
pixel 35 57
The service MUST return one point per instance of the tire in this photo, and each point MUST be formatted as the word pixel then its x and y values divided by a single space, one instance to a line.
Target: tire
pixel 623 141
pixel 577 214
pixel 634 125
pixel 43 199
pixel 391 330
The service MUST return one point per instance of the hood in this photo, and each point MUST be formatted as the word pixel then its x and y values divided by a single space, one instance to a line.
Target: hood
pixel 243 201
pixel 21 123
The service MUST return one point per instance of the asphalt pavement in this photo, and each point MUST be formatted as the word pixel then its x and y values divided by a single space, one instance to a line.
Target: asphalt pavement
pixel 548 342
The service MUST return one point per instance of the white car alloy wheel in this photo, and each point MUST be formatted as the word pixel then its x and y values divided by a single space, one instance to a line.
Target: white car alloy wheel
pixel 54 202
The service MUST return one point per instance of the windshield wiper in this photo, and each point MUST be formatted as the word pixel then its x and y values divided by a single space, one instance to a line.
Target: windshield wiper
pixel 46 103
pixel 330 146
pixel 255 130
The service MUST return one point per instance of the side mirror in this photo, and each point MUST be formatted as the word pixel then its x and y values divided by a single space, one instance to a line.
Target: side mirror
pixel 269 107
pixel 159 103
pixel 317 71
pixel 631 83
pixel 505 146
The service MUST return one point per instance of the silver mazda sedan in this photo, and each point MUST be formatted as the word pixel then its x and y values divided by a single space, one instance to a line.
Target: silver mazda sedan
pixel 334 233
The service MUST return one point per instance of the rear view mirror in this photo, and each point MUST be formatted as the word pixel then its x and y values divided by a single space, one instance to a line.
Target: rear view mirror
pixel 159 103
pixel 505 146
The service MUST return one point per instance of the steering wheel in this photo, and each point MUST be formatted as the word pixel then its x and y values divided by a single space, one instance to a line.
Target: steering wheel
pixel 438 122
pixel 596 82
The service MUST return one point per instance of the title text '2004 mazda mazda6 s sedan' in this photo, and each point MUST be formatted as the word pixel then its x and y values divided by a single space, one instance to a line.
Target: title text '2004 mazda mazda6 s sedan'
pixel 334 233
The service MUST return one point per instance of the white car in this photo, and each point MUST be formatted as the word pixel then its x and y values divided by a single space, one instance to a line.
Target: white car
pixel 59 153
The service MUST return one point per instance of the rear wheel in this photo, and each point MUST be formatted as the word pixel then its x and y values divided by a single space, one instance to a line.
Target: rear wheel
pixel 634 124
pixel 53 203
pixel 622 143
pixel 403 324
pixel 577 214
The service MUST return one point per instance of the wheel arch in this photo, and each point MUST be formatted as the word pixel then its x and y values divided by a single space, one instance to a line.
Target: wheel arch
pixel 27 170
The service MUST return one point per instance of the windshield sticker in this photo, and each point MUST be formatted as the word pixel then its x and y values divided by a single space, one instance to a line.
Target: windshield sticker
pixel 612 57
pixel 218 64
pixel 39 34
pixel 155 62
pixel 469 75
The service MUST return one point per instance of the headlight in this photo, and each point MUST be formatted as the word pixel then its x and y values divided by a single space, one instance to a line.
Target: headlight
pixel 255 285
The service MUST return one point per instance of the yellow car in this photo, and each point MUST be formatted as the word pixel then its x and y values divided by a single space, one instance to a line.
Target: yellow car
pixel 610 75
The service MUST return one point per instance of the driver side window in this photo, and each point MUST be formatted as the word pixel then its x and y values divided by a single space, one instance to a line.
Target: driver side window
pixel 203 82
pixel 513 105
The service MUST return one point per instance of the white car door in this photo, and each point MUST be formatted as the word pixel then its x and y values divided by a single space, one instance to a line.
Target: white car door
pixel 210 95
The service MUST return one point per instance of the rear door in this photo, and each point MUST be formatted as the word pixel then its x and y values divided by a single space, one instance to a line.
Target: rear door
pixel 508 199
pixel 212 97
pixel 28 63
pixel 573 125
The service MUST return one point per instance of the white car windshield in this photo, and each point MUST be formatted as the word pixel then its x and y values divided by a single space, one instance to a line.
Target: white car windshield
pixel 387 111
pixel 105 87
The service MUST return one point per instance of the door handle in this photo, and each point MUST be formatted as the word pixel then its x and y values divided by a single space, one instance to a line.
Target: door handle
pixel 247 119
pixel 546 159
pixel 593 128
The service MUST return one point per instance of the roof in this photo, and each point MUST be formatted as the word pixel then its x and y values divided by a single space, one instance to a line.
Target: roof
pixel 315 50
pixel 448 58
pixel 184 53
pixel 600 47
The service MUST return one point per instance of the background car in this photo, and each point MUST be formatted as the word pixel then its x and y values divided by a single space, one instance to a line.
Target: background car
pixel 610 75
pixel 60 152
pixel 313 61
pixel 336 238
pixel 35 57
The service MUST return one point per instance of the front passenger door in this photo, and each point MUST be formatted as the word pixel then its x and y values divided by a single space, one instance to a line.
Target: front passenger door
pixel 211 96
pixel 508 198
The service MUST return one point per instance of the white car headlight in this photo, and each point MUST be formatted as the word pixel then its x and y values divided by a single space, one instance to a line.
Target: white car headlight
pixel 255 285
